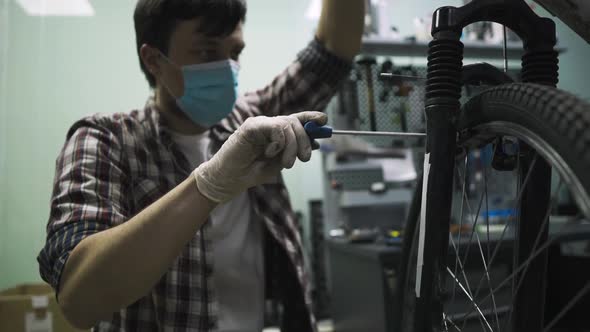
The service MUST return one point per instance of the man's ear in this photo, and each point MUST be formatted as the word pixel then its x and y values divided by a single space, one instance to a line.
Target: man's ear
pixel 151 59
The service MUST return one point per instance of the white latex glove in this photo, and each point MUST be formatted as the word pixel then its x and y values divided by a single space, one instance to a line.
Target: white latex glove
pixel 256 153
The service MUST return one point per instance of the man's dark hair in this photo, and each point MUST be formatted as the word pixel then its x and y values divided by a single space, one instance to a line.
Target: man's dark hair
pixel 155 20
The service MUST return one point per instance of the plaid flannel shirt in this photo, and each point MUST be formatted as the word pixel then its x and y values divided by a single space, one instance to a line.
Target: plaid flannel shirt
pixel 113 166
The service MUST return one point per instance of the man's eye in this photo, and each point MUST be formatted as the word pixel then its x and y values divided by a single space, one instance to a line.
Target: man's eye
pixel 208 55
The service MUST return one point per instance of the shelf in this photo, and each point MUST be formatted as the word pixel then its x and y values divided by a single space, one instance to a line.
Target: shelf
pixel 473 50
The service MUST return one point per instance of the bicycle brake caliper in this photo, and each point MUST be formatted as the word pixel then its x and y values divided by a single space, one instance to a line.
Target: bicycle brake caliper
pixel 505 154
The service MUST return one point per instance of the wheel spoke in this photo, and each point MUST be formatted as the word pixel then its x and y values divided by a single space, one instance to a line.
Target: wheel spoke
pixel 516 204
pixel 486 267
pixel 448 319
pixel 545 222
pixel 498 245
pixel 475 306
pixel 517 270
pixel 502 236
pixel 457 261
pixel 516 242
pixel 485 184
pixel 535 244
pixel 473 231
pixel 570 305
pixel 474 225
pixel 515 207
pixel 487 276
pixel 462 270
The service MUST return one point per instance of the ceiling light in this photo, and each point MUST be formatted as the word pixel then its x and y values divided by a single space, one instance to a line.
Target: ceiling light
pixel 314 10
pixel 57 7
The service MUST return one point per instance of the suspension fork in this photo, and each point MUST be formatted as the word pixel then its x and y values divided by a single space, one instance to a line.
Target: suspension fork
pixel 443 91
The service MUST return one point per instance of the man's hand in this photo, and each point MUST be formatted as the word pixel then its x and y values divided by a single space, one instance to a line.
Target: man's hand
pixel 341 26
pixel 255 153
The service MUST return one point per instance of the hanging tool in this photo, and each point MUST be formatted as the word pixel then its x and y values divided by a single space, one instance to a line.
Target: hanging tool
pixel 314 131
pixel 367 63
pixel 348 100
pixel 505 49
pixel 387 67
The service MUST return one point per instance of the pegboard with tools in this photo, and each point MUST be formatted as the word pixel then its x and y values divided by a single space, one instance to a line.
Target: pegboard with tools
pixel 379 96
pixel 368 101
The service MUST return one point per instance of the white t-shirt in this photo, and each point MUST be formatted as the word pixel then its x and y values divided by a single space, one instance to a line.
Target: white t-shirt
pixel 238 260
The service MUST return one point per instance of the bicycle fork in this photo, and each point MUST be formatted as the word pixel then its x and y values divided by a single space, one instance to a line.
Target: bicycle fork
pixel 443 91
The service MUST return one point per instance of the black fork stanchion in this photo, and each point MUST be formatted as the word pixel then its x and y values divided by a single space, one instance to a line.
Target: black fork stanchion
pixel 443 92
pixel 540 66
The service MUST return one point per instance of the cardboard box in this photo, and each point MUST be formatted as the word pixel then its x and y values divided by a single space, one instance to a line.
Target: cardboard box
pixel 31 308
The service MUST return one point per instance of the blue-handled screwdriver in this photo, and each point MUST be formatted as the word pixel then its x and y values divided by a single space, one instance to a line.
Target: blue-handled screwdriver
pixel 314 131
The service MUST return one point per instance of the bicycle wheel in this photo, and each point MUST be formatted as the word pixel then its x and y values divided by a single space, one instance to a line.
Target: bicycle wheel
pixel 503 133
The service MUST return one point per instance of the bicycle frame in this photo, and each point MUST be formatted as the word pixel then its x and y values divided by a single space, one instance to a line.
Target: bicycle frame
pixel 443 91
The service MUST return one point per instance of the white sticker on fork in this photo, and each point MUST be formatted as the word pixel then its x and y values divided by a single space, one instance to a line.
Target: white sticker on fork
pixel 420 262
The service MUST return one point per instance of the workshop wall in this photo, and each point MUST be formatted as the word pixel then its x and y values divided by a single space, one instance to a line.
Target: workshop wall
pixel 54 70
pixel 573 64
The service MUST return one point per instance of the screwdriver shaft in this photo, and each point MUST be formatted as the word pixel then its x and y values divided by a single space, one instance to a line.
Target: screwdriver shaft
pixel 409 77
pixel 376 133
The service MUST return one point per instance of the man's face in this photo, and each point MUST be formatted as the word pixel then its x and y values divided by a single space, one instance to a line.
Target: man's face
pixel 188 46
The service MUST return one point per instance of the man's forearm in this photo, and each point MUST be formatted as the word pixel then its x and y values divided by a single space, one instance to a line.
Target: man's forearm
pixel 341 26
pixel 112 269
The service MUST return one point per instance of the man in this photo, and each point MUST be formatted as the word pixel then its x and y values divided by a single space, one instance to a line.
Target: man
pixel 175 217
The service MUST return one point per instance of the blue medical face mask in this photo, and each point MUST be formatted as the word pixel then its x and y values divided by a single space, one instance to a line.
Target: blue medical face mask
pixel 210 91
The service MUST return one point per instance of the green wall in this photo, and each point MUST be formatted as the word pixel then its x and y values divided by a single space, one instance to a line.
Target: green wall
pixel 55 70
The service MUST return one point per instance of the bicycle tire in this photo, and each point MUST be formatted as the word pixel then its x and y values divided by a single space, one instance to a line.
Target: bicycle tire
pixel 546 118
pixel 558 118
